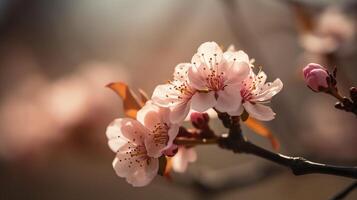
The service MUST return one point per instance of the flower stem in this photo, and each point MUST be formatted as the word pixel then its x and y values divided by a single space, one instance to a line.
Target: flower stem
pixel 336 94
pixel 199 141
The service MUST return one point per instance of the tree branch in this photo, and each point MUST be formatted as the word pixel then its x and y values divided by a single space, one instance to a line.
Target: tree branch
pixel 236 142
pixel 298 165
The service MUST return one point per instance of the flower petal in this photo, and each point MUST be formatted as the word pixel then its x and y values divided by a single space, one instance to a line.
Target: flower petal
pixel 229 99
pixel 259 111
pixel 181 71
pixel 238 72
pixel 180 112
pixel 123 131
pixel 210 53
pixel 182 158
pixel 202 101
pixel 269 90
pixel 239 56
pixel 150 115
pixel 144 176
pixel 165 95
pixel 173 131
pixel 260 79
pixel 197 77
pixel 237 112
pixel 130 158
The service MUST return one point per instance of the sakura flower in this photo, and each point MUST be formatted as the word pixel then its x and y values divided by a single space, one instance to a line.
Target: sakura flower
pixel 216 76
pixel 127 138
pixel 182 158
pixel 161 132
pixel 176 94
pixel 255 92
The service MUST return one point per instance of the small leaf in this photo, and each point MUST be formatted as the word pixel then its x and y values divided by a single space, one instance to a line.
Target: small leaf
pixel 130 101
pixel 162 165
pixel 262 130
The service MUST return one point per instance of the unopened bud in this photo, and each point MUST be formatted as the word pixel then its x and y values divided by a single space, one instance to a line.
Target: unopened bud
pixel 199 120
pixel 316 77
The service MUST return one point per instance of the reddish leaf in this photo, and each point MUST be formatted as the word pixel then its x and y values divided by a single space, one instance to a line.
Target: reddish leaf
pixel 168 168
pixel 130 101
pixel 262 130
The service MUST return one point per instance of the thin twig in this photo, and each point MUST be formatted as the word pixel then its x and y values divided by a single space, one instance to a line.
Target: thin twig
pixel 345 191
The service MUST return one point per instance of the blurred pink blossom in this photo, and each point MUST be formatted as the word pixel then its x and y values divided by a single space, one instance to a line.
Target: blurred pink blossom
pixel 182 158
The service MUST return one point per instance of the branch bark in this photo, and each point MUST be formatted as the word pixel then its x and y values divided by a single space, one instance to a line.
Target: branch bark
pixel 236 142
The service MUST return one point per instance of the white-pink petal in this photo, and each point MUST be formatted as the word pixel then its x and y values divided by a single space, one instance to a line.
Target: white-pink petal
pixel 269 90
pixel 197 77
pixel 202 101
pixel 143 176
pixel 165 96
pixel 210 53
pixel 237 112
pixel 229 99
pixel 259 111
pixel 181 71
pixel 182 158
pixel 124 130
pixel 180 112
pixel 238 72
pixel 150 115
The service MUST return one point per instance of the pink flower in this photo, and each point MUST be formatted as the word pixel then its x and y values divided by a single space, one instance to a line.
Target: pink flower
pixel 216 76
pixel 315 76
pixel 182 158
pixel 127 138
pixel 176 94
pixel 161 132
pixel 138 145
pixel 255 92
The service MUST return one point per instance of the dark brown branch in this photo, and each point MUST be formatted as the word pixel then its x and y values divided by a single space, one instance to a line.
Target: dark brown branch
pixel 236 142
pixel 298 165
pixel 345 191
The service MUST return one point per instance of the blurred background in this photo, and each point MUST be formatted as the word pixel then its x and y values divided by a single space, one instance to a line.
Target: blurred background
pixel 57 56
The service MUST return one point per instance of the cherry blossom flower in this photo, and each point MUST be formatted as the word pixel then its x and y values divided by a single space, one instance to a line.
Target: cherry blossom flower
pixel 182 158
pixel 127 138
pixel 216 76
pixel 315 76
pixel 255 92
pixel 176 94
pixel 161 132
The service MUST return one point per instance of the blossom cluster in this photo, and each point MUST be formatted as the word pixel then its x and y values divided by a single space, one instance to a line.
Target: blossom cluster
pixel 225 81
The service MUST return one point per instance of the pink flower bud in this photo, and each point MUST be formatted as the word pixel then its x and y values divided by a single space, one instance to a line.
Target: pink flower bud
pixel 315 76
pixel 199 120
pixel 171 151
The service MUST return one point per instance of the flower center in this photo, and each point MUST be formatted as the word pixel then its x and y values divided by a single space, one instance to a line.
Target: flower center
pixel 136 156
pixel 185 92
pixel 160 135
pixel 215 81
